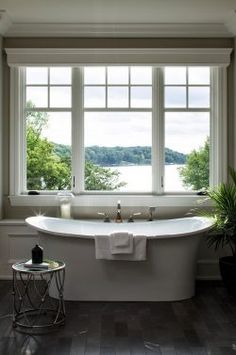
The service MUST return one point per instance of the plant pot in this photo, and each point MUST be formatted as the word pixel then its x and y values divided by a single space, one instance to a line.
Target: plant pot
pixel 228 272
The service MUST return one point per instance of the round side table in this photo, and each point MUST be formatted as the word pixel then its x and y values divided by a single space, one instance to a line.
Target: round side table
pixel 33 308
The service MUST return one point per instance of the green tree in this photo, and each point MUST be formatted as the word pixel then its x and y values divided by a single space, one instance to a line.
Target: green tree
pixel 49 165
pixel 100 178
pixel 195 173
pixel 45 169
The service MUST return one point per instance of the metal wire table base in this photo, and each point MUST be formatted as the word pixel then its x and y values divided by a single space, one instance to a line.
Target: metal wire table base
pixel 33 308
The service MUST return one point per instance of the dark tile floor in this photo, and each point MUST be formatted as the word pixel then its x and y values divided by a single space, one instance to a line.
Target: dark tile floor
pixel 203 325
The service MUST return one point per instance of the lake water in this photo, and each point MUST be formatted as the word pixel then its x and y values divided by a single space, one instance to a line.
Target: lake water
pixel 139 178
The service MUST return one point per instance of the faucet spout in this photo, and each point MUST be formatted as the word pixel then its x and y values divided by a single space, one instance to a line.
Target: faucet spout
pixel 118 213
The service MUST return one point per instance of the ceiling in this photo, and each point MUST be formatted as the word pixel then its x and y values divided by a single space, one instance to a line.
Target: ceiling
pixel 46 16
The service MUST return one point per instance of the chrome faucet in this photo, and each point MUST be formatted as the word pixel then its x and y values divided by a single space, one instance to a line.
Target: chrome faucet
pixel 118 213
pixel 131 217
pixel 151 209
pixel 106 217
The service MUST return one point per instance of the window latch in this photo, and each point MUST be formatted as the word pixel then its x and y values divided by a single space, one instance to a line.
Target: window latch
pixel 73 181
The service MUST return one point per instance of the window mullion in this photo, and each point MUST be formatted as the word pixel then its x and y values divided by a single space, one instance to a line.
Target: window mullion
pixel 158 149
pixel 77 131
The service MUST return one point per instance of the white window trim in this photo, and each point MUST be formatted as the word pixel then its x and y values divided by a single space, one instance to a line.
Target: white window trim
pixel 18 57
pixel 218 146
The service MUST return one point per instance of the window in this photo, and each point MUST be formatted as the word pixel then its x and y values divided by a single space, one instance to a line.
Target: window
pixel 47 123
pixel 187 110
pixel 119 129
pixel 159 110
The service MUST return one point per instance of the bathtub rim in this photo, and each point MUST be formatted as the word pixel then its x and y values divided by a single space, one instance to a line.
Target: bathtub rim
pixel 30 221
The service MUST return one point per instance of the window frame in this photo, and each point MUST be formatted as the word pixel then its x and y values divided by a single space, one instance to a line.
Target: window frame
pixel 218 146
pixel 110 109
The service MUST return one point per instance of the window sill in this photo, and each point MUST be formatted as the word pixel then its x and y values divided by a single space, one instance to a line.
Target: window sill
pixel 111 200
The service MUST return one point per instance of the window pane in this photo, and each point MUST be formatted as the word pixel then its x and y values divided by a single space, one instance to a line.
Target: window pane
pixel 199 76
pixel 48 138
pixel 118 75
pixel 175 75
pixel 141 75
pixel 37 95
pixel 94 75
pixel 118 96
pixel 175 96
pixel 37 76
pixel 60 76
pixel 199 97
pixel 60 96
pixel 184 133
pixel 94 96
pixel 123 145
pixel 141 97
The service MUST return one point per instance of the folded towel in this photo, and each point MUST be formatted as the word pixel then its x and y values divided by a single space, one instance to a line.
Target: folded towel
pixel 102 249
pixel 121 239
pixel 121 243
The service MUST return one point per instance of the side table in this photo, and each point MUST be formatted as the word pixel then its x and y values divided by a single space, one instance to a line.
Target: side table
pixel 33 308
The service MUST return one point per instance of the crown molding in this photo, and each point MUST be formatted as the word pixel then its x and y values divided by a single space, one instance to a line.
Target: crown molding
pixel 5 22
pixel 133 30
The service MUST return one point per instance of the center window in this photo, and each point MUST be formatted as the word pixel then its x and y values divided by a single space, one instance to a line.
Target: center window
pixel 118 128
pixel 125 129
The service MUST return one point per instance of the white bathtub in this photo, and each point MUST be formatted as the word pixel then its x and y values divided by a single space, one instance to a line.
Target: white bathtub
pixel 167 274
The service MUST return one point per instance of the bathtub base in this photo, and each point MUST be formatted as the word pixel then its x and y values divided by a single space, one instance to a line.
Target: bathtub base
pixel 167 275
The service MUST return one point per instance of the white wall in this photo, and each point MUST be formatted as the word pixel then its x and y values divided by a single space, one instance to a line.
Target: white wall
pixel 1 119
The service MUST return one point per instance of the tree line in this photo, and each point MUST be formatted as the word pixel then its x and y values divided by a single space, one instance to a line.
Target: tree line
pixel 120 156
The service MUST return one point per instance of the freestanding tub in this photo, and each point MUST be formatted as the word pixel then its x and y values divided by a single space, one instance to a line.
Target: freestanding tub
pixel 168 273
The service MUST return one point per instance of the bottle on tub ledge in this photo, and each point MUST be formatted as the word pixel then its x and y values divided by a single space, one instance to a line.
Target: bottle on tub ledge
pixel 118 213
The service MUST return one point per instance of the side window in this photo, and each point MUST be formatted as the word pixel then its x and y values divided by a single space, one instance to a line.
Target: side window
pixel 187 99
pixel 48 128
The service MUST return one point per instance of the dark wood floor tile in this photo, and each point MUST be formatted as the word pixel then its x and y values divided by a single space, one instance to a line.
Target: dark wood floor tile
pixel 50 346
pixel 78 345
pixel 202 325
pixel 152 347
pixel 92 349
pixel 167 350
pixel 182 347
pixel 227 351
pixel 107 351
pixel 107 331
pixel 122 346
pixel 121 329
pixel 196 350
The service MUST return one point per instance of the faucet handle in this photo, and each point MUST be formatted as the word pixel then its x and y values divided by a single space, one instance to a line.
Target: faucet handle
pixel 151 209
pixel 105 215
pixel 131 217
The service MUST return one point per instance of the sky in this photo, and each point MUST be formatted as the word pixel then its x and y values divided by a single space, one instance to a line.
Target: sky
pixel 128 129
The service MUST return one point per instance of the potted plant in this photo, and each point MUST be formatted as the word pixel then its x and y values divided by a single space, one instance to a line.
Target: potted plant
pixel 223 233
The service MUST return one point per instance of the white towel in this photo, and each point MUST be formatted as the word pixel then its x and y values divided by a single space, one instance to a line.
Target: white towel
pixel 102 249
pixel 121 243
